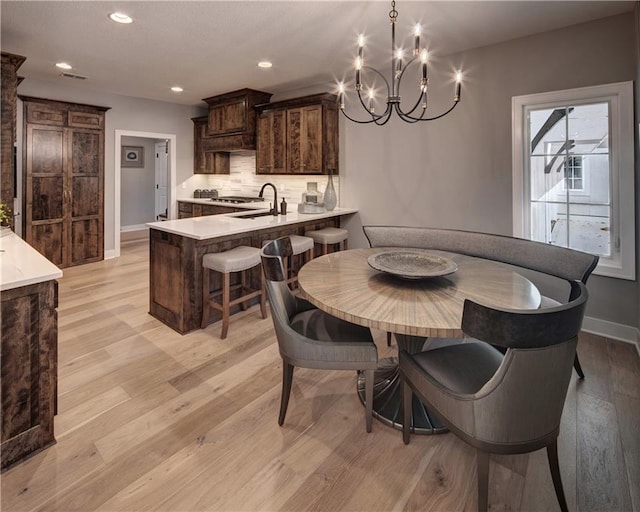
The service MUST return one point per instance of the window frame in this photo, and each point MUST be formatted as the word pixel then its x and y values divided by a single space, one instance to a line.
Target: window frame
pixel 622 263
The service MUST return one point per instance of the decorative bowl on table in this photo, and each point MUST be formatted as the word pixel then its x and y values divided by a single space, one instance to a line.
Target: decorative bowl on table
pixel 412 264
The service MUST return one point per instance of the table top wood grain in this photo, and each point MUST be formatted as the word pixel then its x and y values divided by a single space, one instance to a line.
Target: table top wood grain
pixel 344 285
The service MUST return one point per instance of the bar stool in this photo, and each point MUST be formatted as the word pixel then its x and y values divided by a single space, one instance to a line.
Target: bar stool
pixel 240 259
pixel 301 245
pixel 327 236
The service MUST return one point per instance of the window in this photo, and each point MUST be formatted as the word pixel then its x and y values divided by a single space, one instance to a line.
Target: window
pixel 573 172
pixel 573 177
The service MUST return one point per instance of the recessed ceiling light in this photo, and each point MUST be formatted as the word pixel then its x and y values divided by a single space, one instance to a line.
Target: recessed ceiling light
pixel 63 65
pixel 177 89
pixel 120 17
pixel 265 64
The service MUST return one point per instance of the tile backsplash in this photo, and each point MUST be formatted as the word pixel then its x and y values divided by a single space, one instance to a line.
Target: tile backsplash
pixel 243 180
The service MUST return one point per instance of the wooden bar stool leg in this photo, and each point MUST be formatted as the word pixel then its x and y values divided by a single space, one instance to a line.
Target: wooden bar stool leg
pixel 243 287
pixel 309 256
pixel 205 297
pixel 226 282
pixel 325 248
pixel 345 245
pixel 263 296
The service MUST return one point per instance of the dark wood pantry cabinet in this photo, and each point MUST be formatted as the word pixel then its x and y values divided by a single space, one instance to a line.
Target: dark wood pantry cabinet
pixel 64 180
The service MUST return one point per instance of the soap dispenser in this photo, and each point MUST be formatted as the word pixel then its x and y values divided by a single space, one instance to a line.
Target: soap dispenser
pixel 283 207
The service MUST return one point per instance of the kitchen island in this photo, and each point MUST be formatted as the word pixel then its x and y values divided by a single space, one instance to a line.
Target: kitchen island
pixel 176 248
pixel 29 347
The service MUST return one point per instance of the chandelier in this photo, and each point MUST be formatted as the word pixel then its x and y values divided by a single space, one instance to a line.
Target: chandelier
pixel 398 69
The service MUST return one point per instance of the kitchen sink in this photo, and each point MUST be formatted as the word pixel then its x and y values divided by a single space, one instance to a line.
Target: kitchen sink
pixel 253 215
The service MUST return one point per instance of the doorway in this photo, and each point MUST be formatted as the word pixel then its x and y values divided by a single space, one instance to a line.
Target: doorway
pixel 169 143
pixel 160 190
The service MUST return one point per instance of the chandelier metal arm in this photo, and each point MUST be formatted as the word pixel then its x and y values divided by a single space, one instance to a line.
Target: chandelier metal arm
pixel 455 103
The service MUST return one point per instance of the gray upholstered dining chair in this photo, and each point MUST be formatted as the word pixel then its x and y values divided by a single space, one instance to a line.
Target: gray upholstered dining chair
pixel 563 264
pixel 310 338
pixel 497 403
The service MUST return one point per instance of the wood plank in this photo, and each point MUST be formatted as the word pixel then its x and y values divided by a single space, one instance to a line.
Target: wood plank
pixel 199 429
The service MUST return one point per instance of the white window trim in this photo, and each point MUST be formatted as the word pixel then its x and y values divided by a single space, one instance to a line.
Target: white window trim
pixel 623 265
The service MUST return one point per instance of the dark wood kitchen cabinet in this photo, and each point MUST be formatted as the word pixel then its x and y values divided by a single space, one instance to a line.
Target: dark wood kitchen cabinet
pixel 271 155
pixel 63 193
pixel 29 370
pixel 231 123
pixel 204 160
pixel 186 209
pixel 298 136
pixel 9 85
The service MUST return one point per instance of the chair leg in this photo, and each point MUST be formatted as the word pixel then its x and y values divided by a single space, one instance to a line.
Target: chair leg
pixel 552 455
pixel 388 339
pixel 483 480
pixel 368 398
pixel 345 245
pixel 205 297
pixel 226 283
pixel 576 365
pixel 407 410
pixel 287 380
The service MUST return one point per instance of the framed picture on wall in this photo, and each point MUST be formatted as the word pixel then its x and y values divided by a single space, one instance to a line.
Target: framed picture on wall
pixel 132 156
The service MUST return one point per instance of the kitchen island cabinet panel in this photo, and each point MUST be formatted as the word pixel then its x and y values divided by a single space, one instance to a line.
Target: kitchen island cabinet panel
pixel 175 276
pixel 187 210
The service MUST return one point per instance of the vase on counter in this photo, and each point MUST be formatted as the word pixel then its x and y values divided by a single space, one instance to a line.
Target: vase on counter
pixel 312 195
pixel 330 198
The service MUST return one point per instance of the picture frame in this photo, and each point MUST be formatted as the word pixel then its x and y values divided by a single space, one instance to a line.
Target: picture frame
pixel 132 156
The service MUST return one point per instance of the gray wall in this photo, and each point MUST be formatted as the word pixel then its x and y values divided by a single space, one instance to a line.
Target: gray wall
pixel 137 199
pixel 127 113
pixel 456 172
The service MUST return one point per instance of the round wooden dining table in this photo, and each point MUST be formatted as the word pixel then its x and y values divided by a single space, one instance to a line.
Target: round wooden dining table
pixel 421 313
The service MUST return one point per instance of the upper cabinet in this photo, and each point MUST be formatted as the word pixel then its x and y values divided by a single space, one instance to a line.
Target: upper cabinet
pixel 231 124
pixel 298 136
pixel 206 161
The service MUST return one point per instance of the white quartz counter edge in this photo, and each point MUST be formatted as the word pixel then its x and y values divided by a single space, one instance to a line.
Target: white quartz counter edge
pixel 21 264
pixel 214 226
pixel 248 206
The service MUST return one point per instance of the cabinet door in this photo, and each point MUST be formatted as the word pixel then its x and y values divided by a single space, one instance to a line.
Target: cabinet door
pixel 28 358
pixel 85 178
pixel 45 226
pixel 271 156
pixel 228 118
pixel 185 210
pixel 216 162
pixel 304 140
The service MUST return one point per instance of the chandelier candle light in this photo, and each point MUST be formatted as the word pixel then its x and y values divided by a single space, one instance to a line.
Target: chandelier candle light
pixel 393 89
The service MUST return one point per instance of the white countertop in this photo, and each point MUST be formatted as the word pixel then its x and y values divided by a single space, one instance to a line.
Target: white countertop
pixel 21 264
pixel 213 226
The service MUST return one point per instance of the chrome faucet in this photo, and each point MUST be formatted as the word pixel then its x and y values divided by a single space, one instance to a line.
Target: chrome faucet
pixel 274 210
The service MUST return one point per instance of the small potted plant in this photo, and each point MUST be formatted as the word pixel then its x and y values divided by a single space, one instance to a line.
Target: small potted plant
pixel 5 219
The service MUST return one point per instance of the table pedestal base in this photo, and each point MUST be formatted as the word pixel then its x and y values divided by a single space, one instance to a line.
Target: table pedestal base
pixel 387 393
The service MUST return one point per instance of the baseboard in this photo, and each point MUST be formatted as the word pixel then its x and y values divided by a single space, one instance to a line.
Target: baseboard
pixel 110 254
pixel 133 227
pixel 612 330
pixel 138 233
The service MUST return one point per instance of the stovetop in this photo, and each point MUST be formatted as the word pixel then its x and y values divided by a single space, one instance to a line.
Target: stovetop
pixel 237 199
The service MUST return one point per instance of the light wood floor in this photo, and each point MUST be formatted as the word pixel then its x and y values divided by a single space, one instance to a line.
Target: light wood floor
pixel 151 420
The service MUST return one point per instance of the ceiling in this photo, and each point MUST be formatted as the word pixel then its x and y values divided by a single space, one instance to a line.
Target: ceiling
pixel 213 47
